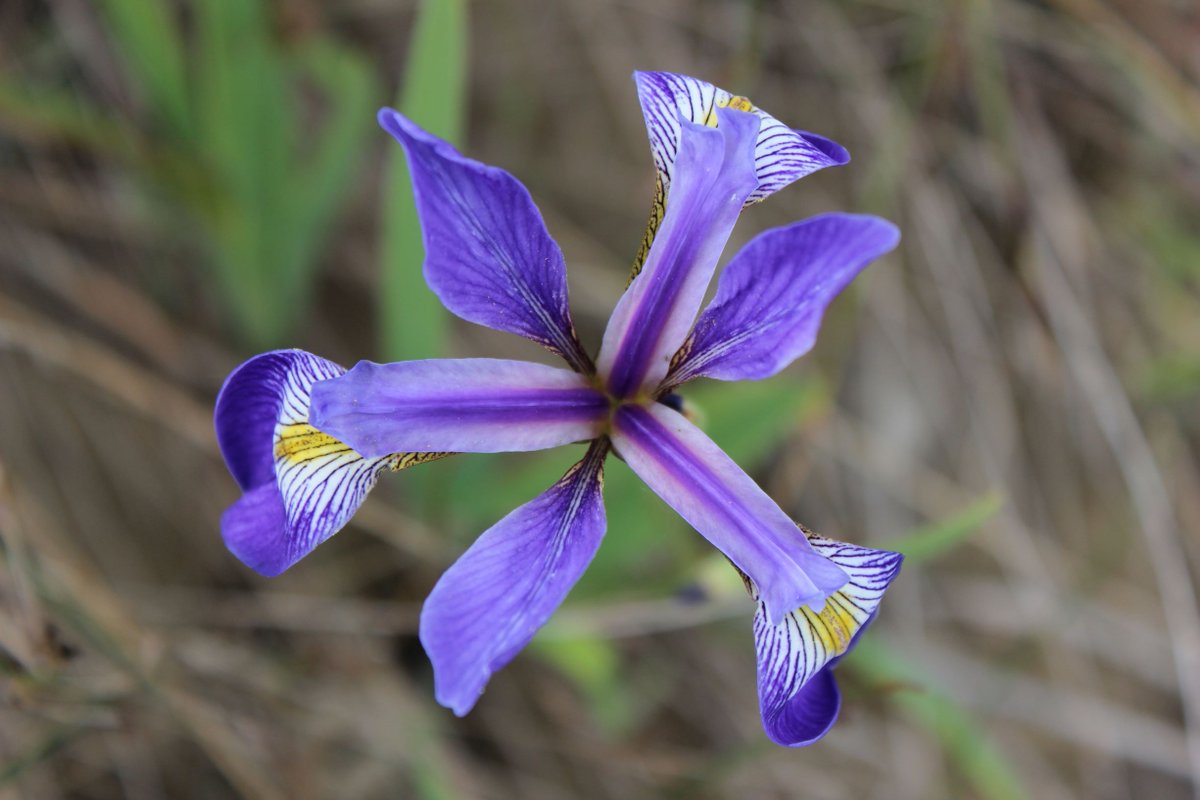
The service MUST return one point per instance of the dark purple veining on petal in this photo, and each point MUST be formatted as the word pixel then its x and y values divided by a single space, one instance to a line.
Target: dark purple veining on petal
pixel 782 155
pixel 489 604
pixel 488 256
pixel 804 717
pixel 248 407
pixel 772 296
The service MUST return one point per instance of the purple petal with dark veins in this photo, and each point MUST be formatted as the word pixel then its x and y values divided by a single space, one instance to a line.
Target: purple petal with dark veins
pixel 488 256
pixel 807 715
pixel 247 409
pixel 301 485
pixel 489 604
pixel 477 405
pixel 781 155
pixel 796 655
pixel 715 172
pixel 771 297
pixel 695 477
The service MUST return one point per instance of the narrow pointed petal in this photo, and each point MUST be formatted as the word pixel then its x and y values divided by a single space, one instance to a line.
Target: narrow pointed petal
pixel 695 477
pixel 489 604
pixel 797 694
pixel 715 172
pixel 771 297
pixel 301 485
pixel 476 405
pixel 781 155
pixel 488 256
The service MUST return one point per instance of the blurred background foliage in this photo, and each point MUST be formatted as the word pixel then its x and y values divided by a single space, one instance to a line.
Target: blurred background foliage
pixel 1011 398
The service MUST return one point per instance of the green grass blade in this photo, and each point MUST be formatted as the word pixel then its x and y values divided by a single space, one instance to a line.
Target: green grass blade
pixel 412 321
pixel 149 40
pixel 942 536
pixel 248 136
pixel 328 166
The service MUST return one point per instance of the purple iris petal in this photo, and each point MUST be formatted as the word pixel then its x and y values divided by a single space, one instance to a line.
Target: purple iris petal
pixel 771 297
pixel 490 603
pixel 488 256
pixel 804 717
pixel 301 485
pixel 248 408
pixel 781 155
pixel 477 405
pixel 695 477
pixel 715 172
pixel 797 694
pixel 255 530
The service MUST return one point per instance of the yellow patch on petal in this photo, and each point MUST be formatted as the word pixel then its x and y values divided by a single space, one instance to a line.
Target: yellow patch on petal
pixel 736 102
pixel 657 210
pixel 301 442
pixel 833 624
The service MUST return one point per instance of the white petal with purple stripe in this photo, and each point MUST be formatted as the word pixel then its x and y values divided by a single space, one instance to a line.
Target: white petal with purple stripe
pixel 781 154
pixel 807 642
pixel 308 484
pixel 322 480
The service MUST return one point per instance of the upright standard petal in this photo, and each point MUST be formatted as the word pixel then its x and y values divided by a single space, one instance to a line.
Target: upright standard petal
pixel 476 405
pixel 797 693
pixel 781 154
pixel 771 297
pixel 695 477
pixel 715 172
pixel 490 603
pixel 301 485
pixel 488 256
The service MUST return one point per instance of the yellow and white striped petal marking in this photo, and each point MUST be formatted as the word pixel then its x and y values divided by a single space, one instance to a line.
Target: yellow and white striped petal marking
pixel 781 154
pixel 792 652
pixel 322 480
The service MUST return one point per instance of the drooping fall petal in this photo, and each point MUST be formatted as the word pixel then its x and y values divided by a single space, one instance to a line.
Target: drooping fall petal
pixel 796 690
pixel 781 154
pixel 301 485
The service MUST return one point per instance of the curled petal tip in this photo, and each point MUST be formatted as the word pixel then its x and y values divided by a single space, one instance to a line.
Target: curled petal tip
pixel 837 155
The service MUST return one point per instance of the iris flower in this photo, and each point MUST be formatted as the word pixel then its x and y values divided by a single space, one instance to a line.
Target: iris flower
pixel 306 439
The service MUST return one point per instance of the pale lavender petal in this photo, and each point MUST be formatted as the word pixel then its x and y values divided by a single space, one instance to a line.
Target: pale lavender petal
pixel 477 405
pixel 489 604
pixel 301 485
pixel 797 695
pixel 771 297
pixel 695 477
pixel 781 155
pixel 488 256
pixel 714 173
